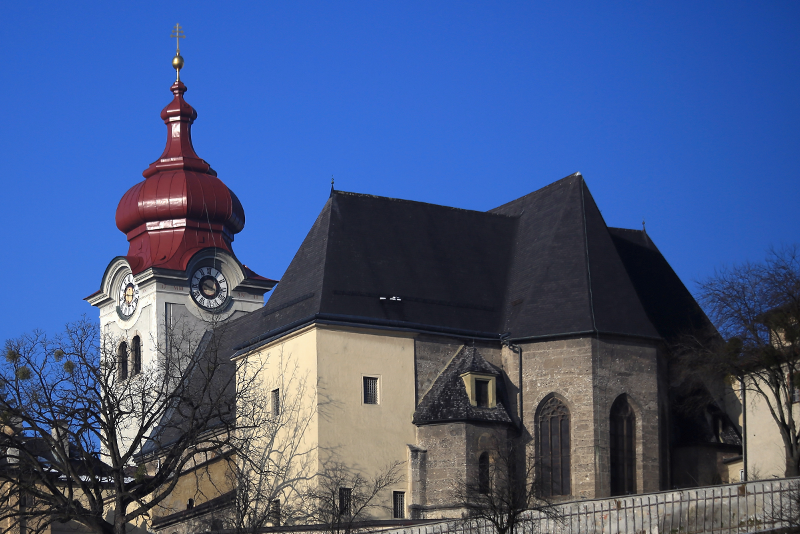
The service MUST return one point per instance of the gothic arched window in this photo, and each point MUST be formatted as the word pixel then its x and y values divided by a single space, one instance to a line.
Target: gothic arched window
pixel 136 355
pixel 122 361
pixel 484 481
pixel 623 451
pixel 553 447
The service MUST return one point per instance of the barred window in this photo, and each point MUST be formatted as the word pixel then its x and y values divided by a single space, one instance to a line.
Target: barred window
pixel 345 501
pixel 399 504
pixel 276 402
pixel 275 512
pixel 370 390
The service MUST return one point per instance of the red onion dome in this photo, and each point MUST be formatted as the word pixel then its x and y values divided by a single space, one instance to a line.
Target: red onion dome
pixel 181 207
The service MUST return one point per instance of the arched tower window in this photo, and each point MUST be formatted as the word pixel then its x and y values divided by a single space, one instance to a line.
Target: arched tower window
pixel 136 355
pixel 122 361
pixel 484 482
pixel 553 447
pixel 623 451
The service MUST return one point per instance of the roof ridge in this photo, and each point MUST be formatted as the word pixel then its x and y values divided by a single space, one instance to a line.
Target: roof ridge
pixel 588 265
pixel 540 190
pixel 379 197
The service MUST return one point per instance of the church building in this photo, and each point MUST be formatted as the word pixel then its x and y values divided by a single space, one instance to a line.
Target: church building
pixel 430 334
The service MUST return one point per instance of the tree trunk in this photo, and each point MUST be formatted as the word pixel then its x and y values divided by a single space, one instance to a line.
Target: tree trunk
pixel 119 517
pixel 792 463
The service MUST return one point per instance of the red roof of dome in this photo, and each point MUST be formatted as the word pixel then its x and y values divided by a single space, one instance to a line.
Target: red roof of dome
pixel 181 207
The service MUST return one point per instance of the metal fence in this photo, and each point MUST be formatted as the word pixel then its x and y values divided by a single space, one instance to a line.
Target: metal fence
pixel 761 506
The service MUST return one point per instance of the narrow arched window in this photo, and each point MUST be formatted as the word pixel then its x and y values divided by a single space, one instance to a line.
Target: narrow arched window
pixel 122 361
pixel 484 481
pixel 136 355
pixel 553 448
pixel 623 451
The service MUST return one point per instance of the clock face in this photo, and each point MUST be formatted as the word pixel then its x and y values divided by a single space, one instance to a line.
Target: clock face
pixel 209 288
pixel 128 296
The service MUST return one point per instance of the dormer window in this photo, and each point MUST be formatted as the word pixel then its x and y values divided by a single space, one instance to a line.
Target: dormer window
pixel 481 389
pixel 482 393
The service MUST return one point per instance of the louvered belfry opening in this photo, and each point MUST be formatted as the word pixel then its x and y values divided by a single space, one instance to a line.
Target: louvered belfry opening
pixel 554 448
pixel 623 447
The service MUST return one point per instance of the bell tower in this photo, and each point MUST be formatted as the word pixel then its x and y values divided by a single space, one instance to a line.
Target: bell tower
pixel 180 271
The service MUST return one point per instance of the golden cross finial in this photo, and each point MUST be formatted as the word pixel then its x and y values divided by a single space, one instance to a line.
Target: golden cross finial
pixel 177 61
pixel 177 34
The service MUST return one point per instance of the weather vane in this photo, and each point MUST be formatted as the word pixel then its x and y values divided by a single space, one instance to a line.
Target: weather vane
pixel 177 61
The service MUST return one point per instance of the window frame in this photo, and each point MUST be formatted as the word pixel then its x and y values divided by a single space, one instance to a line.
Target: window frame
pixel 345 501
pixel 398 511
pixel 470 383
pixel 377 380
pixel 275 401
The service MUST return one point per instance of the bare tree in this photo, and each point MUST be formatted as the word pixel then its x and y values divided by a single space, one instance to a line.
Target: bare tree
pixel 503 488
pixel 275 458
pixel 79 431
pixel 341 498
pixel 755 307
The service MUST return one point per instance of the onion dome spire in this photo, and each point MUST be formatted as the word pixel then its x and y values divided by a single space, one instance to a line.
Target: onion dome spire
pixel 181 207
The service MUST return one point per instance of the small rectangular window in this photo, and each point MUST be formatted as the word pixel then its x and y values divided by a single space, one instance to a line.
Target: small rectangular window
pixel 370 390
pixel 345 501
pixel 276 402
pixel 399 504
pixel 482 393
pixel 275 512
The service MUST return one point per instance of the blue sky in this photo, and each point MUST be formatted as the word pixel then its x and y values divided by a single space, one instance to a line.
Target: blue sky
pixel 681 113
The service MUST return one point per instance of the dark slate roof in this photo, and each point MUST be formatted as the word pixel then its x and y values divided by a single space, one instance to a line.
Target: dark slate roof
pixel 669 305
pixel 543 265
pixel 447 400
pixel 566 275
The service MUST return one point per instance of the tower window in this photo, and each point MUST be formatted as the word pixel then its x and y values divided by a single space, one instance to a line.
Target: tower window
pixel 370 390
pixel 399 505
pixel 276 402
pixel 122 361
pixel 345 501
pixel 136 354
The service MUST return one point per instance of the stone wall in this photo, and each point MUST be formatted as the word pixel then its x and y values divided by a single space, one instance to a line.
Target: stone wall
pixel 587 375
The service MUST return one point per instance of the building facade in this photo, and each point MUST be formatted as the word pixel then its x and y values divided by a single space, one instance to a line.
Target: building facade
pixel 426 336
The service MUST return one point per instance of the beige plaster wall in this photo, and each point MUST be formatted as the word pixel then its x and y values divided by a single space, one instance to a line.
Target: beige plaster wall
pixel 766 454
pixel 289 365
pixel 366 437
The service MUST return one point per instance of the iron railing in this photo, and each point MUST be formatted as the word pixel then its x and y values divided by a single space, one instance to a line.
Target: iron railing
pixel 760 506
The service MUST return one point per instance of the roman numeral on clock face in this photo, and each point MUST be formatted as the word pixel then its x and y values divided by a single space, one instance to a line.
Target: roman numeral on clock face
pixel 209 288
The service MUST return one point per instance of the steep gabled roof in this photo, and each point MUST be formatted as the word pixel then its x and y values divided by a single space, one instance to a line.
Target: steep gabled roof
pixel 447 400
pixel 566 276
pixel 669 305
pixel 543 265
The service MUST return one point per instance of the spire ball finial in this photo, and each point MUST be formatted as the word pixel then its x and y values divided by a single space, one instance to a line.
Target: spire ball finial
pixel 177 61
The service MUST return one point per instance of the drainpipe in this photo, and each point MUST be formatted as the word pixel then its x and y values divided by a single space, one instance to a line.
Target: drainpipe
pixel 744 425
pixel 506 342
